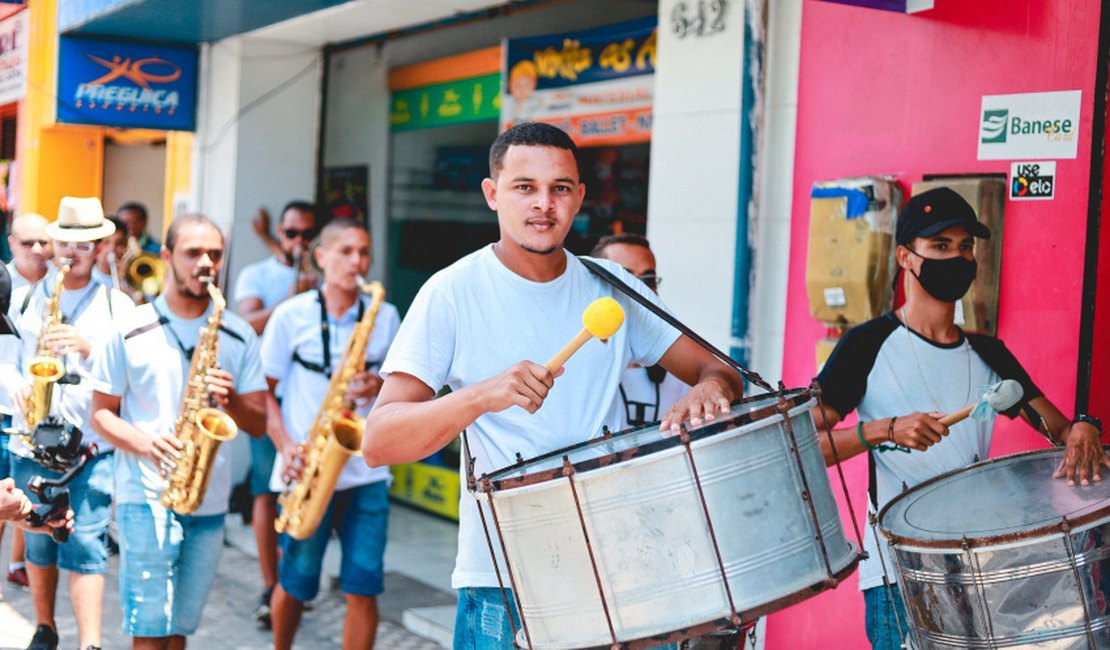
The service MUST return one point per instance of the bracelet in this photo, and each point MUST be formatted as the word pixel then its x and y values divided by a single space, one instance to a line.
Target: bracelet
pixel 859 432
pixel 890 430
pixel 879 448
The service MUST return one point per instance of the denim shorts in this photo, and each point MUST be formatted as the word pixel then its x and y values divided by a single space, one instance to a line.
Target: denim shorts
pixel 5 458
pixel 360 517
pixel 90 497
pixel 167 563
pixel 882 625
pixel 263 454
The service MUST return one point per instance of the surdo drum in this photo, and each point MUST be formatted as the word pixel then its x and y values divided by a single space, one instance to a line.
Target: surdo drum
pixel 636 538
pixel 1002 555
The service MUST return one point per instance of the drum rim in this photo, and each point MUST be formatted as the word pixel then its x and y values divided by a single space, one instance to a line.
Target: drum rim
pixel 488 482
pixel 1063 525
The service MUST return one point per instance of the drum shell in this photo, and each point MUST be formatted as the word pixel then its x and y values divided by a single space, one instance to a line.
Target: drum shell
pixel 648 533
pixel 1020 589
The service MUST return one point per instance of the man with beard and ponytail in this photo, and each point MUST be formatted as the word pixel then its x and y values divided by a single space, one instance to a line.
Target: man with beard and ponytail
pixel 167 559
pixel 902 372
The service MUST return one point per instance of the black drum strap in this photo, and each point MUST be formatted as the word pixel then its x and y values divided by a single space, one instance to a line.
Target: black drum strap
pixel 872 484
pixel 607 276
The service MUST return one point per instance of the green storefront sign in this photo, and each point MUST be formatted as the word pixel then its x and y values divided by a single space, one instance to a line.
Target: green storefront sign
pixel 454 102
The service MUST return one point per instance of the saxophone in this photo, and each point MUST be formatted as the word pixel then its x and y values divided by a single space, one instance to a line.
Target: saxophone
pixel 199 427
pixel 335 436
pixel 46 368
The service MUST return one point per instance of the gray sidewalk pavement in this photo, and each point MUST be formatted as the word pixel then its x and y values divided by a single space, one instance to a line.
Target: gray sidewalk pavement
pixel 419 556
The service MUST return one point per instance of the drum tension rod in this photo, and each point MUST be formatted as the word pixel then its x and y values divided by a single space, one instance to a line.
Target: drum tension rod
pixel 487 487
pixel 1065 527
pixel 684 437
pixel 568 471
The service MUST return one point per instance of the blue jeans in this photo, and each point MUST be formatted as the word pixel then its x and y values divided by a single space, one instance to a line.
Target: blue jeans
pixel 167 563
pixel 263 454
pixel 480 620
pixel 481 624
pixel 360 516
pixel 90 497
pixel 882 626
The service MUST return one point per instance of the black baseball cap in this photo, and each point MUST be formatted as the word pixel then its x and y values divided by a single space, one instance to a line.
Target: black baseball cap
pixel 6 326
pixel 935 211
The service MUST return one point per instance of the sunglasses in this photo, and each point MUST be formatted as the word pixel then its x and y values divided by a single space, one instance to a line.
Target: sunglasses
pixel 30 243
pixel 650 279
pixel 79 247
pixel 293 233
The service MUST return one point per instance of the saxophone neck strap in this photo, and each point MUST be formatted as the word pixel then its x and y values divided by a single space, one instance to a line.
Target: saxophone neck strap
pixel 325 336
pixel 617 283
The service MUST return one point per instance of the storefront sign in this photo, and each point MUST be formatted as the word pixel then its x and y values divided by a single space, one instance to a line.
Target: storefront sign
pixel 1032 181
pixel 126 84
pixel 901 6
pixel 13 58
pixel 598 84
pixel 1029 125
pixel 454 102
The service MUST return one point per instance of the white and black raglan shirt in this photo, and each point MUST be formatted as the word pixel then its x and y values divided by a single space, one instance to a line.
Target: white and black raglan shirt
pixel 882 369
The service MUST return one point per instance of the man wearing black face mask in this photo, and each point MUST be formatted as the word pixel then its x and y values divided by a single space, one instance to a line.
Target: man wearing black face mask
pixel 903 371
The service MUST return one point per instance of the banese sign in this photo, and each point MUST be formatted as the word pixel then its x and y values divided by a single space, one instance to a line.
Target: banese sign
pixel 13 58
pixel 1029 125
pixel 129 85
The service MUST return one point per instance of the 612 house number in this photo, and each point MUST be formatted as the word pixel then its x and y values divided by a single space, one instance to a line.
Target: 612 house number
pixel 707 18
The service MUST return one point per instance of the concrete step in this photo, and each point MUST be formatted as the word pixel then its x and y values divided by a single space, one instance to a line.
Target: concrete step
pixel 433 623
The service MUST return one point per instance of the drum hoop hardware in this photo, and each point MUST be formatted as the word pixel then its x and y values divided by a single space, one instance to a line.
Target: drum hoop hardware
pixel 471 484
pixel 988 540
pixel 684 436
pixel 795 398
pixel 568 471
pixel 815 390
pixel 1065 526
pixel 784 408
pixel 980 588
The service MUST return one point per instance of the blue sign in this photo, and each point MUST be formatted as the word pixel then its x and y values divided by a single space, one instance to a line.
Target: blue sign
pixel 128 85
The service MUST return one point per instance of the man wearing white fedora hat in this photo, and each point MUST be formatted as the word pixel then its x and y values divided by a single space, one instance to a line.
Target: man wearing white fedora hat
pixel 84 308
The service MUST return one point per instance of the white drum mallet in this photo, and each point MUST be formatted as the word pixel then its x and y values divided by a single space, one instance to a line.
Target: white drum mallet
pixel 996 398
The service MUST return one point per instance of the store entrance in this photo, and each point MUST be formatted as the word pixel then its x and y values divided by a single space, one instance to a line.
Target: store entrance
pixel 136 171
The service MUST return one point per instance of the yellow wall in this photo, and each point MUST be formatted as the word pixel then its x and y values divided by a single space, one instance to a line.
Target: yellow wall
pixel 56 160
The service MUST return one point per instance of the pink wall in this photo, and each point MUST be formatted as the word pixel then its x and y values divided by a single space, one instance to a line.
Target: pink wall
pixel 885 93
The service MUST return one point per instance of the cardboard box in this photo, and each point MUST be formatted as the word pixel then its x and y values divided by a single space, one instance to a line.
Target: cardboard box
pixel 850 260
pixel 978 311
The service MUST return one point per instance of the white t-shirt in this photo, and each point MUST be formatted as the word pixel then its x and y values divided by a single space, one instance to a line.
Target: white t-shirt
pixel 295 327
pixel 17 278
pixel 144 365
pixel 88 310
pixel 476 318
pixel 268 279
pixel 883 370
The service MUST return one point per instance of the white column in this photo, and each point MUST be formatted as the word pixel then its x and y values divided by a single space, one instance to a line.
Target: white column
pixel 695 167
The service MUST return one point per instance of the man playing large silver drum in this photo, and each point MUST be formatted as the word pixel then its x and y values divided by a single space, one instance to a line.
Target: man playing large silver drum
pixel 521 298
pixel 904 370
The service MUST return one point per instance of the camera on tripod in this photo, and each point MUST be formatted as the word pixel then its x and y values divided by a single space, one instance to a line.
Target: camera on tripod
pixel 56 445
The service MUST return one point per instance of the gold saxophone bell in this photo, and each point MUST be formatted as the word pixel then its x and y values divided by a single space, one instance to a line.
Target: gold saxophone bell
pixel 45 372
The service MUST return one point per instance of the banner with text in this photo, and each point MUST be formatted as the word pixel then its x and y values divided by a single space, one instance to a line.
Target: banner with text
pixel 129 85
pixel 13 58
pixel 454 102
pixel 597 85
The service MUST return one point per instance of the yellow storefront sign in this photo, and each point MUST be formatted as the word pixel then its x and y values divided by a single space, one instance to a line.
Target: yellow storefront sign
pixel 435 489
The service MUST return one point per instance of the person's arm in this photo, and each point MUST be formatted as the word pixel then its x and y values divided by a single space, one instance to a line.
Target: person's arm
pixel 161 449
pixel 292 453
pixel 917 431
pixel 247 409
pixel 715 385
pixel 261 225
pixel 406 424
pixel 1084 455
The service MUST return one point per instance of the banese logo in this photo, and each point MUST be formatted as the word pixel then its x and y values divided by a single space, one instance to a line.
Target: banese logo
pixel 1029 125
pixel 1033 180
pixel 994 126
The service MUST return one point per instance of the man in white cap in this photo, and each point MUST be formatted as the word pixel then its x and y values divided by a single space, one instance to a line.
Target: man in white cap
pixel 74 336
pixel 30 250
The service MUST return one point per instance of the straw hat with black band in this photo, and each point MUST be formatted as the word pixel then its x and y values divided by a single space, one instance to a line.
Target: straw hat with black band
pixel 80 219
